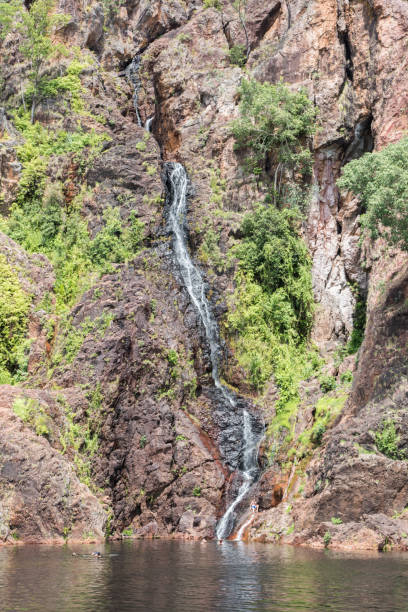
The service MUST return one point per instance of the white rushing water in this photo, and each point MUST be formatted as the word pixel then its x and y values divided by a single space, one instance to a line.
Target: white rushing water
pixel 195 286
pixel 148 124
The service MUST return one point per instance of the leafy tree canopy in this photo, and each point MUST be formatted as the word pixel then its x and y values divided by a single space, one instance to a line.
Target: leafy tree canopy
pixel 380 180
pixel 274 121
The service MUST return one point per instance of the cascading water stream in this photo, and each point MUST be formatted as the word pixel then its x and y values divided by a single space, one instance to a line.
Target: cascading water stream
pixel 229 405
pixel 132 73
pixel 194 283
pixel 148 124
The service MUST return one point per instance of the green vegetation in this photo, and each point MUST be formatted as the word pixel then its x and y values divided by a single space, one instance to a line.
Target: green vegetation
pixel 14 306
pixel 180 438
pixel 327 409
pixel 172 357
pixel 359 324
pixel 80 438
pixel 197 491
pixel 212 4
pixel 35 27
pixel 271 312
pixel 127 532
pixel 273 255
pixel 275 124
pixel 336 521
pixel 111 8
pixel 327 539
pixel 239 7
pixel 32 412
pixel 273 301
pixel 380 180
pixel 142 441
pixel 346 378
pixel 387 441
pixel 210 253
pixel 327 383
pixel 44 218
pixel 237 55
pixel 41 221
pixel 72 338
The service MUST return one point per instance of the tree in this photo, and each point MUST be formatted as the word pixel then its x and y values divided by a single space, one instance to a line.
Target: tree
pixel 8 11
pixel 380 180
pixel 275 126
pixel 35 27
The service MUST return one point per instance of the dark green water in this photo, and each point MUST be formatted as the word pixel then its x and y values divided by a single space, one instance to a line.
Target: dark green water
pixel 162 576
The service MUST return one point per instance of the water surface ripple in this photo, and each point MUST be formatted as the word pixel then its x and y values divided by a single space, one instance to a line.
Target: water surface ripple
pixel 174 576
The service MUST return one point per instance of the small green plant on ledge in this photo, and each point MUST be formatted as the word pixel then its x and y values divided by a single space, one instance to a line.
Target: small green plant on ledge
pixel 327 383
pixel 387 441
pixel 237 55
pixel 127 532
pixel 336 521
pixel 327 539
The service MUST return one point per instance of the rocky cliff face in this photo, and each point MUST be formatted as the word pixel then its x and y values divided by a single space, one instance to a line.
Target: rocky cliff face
pixel 126 364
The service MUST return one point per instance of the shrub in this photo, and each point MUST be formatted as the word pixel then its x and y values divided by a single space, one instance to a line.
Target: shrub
pixel 387 441
pixel 336 521
pixel 359 324
pixel 197 491
pixel 180 438
pixel 317 433
pixel 346 378
pixel 271 314
pixel 327 539
pixel 35 27
pixel 237 55
pixel 212 4
pixel 276 258
pixel 142 441
pixel 32 412
pixel 172 357
pixel 380 180
pixel 327 383
pixel 127 532
pixel 14 306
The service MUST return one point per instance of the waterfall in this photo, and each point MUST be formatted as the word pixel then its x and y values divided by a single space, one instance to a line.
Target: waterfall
pixel 240 431
pixel 193 280
pixel 132 73
pixel 148 124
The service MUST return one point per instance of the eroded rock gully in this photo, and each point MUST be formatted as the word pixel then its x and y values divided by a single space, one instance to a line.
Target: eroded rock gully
pixel 159 469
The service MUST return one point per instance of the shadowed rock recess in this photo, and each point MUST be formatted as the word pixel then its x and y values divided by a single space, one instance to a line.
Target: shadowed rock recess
pixel 133 401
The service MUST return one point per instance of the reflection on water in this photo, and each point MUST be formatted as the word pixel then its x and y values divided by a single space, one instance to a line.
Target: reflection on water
pixel 199 577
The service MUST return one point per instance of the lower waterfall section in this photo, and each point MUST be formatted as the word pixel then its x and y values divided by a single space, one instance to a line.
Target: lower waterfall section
pixel 241 432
